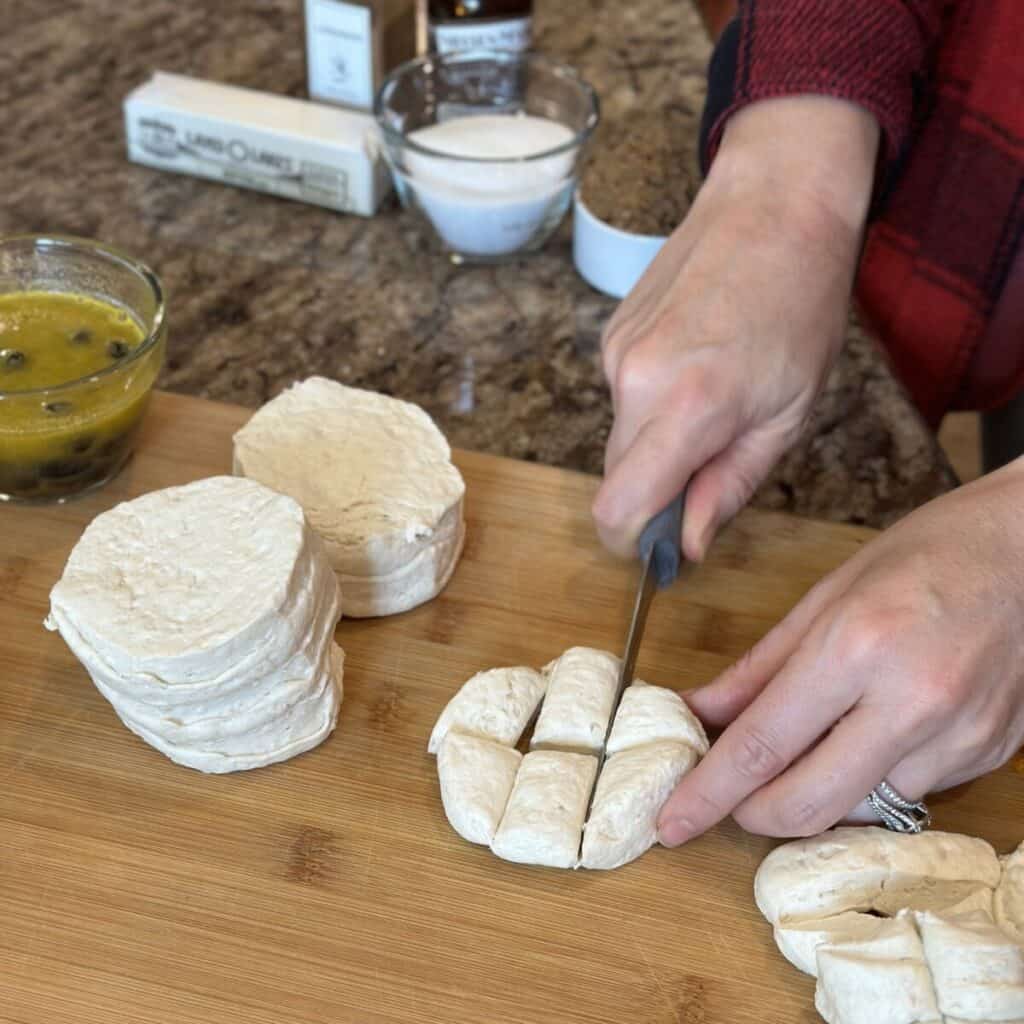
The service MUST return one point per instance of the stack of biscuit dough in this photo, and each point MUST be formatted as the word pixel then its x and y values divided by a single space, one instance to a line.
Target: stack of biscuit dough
pixel 900 929
pixel 205 614
pixel 375 478
pixel 532 808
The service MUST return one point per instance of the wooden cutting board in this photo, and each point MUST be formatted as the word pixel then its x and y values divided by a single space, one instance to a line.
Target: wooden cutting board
pixel 330 888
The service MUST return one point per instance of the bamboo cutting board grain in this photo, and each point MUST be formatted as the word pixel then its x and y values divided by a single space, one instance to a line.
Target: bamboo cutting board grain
pixel 330 889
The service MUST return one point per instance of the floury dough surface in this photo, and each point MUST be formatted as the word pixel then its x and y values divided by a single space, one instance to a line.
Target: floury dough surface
pixel 898 929
pixel 631 790
pixel 375 478
pixel 648 714
pixel 476 778
pixel 543 820
pixel 533 808
pixel 496 704
pixel 205 615
pixel 578 702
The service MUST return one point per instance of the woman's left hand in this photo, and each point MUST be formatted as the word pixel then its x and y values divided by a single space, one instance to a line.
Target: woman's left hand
pixel 907 664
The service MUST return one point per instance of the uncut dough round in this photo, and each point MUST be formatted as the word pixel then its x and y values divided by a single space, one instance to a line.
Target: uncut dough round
pixel 223 560
pixel 375 478
pixel 205 615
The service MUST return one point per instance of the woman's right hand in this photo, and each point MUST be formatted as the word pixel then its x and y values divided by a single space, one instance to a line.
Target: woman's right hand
pixel 717 355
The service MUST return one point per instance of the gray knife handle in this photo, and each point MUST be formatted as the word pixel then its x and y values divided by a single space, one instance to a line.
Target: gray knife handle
pixel 661 539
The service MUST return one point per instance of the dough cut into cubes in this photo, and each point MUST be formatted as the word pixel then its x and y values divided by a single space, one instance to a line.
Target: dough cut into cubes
pixel 632 787
pixel 476 777
pixel 1009 897
pixel 978 970
pixel 871 869
pixel 882 980
pixel 496 705
pixel 649 714
pixel 578 704
pixel 657 741
pixel 543 820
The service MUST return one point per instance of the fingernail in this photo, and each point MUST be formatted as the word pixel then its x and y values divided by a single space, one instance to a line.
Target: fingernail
pixel 675 832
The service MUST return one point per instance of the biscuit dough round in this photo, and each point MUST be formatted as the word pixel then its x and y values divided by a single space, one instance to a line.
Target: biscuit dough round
pixel 375 478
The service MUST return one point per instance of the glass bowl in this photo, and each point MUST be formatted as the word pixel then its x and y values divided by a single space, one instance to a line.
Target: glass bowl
pixel 71 436
pixel 486 146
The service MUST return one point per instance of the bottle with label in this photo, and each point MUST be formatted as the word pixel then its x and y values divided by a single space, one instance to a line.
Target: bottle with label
pixel 455 25
pixel 351 47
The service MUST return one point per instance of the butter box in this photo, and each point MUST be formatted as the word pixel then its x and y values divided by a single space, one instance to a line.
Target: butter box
pixel 287 147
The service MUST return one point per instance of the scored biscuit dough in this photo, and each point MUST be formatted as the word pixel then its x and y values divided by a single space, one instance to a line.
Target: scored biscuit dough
pixel 1009 898
pixel 543 820
pixel 880 980
pixel 497 704
pixel 658 740
pixel 977 969
pixel 798 941
pixel 648 714
pixel 870 869
pixel 631 789
pixel 476 777
pixel 578 703
pixel 375 478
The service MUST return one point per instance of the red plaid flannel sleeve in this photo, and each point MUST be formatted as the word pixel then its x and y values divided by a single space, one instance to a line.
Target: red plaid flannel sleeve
pixel 871 52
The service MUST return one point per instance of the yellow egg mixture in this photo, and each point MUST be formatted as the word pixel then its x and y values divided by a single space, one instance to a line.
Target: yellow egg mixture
pixel 58 442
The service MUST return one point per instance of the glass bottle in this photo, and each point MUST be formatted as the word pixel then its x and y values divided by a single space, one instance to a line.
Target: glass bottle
pixel 454 25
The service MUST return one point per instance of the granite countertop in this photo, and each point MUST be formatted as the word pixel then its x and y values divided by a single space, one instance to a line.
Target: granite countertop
pixel 264 291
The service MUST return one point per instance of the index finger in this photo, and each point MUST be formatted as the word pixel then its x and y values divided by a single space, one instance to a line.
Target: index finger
pixel 787 718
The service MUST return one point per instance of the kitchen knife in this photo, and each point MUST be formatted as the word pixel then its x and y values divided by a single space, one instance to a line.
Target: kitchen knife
pixel 660 560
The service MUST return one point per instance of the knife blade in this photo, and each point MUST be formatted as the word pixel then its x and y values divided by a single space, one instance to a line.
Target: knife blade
pixel 660 561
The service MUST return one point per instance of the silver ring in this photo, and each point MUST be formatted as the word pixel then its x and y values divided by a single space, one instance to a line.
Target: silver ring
pixel 897 813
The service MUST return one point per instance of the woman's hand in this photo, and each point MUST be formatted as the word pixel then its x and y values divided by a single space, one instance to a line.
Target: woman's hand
pixel 905 664
pixel 716 356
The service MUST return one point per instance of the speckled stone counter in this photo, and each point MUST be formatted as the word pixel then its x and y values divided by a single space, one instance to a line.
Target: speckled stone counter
pixel 263 291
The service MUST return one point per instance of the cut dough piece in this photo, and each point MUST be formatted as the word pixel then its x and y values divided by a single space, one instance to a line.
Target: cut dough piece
pixel 799 941
pixel 882 979
pixel 1009 898
pixel 578 705
pixel 631 790
pixel 977 970
pixel 497 705
pixel 648 714
pixel 543 820
pixel 375 478
pixel 870 868
pixel 476 777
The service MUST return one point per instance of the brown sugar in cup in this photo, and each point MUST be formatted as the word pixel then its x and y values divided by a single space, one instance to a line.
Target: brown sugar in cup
pixel 642 174
pixel 635 189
